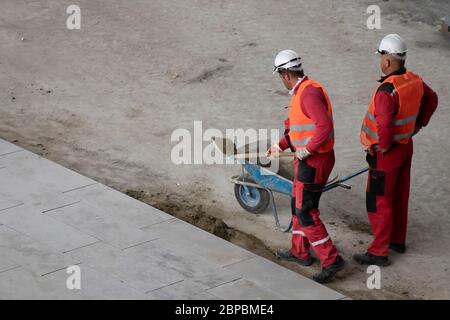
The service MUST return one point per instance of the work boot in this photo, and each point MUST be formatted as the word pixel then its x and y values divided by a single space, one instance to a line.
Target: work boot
pixel 370 259
pixel 398 247
pixel 327 274
pixel 285 254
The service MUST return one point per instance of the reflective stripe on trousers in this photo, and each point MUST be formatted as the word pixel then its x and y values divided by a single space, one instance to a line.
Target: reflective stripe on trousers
pixel 322 241
pixel 299 232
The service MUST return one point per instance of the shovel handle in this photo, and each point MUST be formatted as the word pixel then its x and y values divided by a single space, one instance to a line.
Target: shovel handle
pixel 262 155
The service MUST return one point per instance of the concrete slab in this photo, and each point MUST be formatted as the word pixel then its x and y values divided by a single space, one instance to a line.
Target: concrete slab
pixel 118 204
pixel 8 204
pixel 140 272
pixel 23 189
pixel 101 224
pixel 183 290
pixel 187 263
pixel 45 229
pixel 6 264
pixel 244 289
pixel 7 148
pixel 32 255
pixel 213 249
pixel 52 218
pixel 22 284
pixel 35 168
pixel 272 276
pixel 94 285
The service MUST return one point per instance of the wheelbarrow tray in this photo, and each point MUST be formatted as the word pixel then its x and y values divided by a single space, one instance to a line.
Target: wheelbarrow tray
pixel 268 179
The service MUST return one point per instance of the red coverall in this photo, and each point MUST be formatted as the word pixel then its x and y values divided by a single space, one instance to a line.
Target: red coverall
pixel 389 220
pixel 308 229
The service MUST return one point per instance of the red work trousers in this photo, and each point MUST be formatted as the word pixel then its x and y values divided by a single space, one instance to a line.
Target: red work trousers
pixel 387 196
pixel 310 176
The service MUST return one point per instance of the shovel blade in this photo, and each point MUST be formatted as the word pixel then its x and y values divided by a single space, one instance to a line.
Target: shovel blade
pixel 226 146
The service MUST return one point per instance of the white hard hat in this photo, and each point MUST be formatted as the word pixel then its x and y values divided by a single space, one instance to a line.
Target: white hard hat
pixel 287 59
pixel 394 45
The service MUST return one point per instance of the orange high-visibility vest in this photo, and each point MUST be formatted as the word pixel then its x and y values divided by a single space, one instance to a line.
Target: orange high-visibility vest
pixel 409 87
pixel 302 128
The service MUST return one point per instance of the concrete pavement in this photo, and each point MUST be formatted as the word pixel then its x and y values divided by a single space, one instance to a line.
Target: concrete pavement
pixel 52 218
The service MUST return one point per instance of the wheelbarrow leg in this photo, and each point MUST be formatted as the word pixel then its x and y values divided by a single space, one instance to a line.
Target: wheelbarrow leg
pixel 289 227
pixel 247 191
pixel 275 213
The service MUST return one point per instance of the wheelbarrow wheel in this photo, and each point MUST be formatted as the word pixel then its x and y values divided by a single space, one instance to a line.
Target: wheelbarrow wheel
pixel 253 200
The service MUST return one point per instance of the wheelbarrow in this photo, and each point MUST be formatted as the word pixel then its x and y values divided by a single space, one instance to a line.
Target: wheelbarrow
pixel 255 186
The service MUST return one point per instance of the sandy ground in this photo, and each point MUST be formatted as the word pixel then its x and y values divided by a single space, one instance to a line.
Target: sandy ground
pixel 105 100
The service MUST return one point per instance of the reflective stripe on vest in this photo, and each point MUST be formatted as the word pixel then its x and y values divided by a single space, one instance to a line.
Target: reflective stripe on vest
pixel 303 142
pixel 395 136
pixel 369 132
pixel 398 137
pixel 409 88
pixel 397 122
pixel 302 128
pixel 400 122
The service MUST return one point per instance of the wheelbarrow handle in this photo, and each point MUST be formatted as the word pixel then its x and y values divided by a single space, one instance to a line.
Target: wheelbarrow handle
pixel 340 183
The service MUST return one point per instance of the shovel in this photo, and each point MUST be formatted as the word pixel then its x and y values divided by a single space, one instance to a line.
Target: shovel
pixel 228 148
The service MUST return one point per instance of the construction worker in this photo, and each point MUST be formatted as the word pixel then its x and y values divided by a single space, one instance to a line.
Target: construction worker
pixel 309 133
pixel 400 107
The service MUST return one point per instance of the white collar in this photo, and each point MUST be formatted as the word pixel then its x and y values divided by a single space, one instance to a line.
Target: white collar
pixel 292 91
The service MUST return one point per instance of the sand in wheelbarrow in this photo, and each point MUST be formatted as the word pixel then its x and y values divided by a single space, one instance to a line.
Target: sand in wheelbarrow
pixel 284 166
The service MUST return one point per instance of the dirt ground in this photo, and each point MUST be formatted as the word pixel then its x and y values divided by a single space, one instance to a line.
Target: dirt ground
pixel 104 101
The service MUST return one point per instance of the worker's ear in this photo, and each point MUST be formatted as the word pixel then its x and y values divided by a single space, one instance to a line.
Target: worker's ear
pixel 384 63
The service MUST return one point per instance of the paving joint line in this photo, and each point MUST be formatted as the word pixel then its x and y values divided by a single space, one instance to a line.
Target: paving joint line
pixel 14 206
pixel 87 245
pixel 171 284
pixel 78 188
pixel 243 260
pixel 75 264
pixel 13 268
pixel 234 280
pixel 138 244
pixel 63 206
pixel 154 224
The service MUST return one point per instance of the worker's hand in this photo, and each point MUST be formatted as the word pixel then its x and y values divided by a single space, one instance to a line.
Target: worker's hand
pixel 273 151
pixel 370 151
pixel 302 153
pixel 378 149
pixel 373 149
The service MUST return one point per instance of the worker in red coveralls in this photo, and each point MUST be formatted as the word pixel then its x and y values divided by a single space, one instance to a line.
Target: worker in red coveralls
pixel 310 133
pixel 400 107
